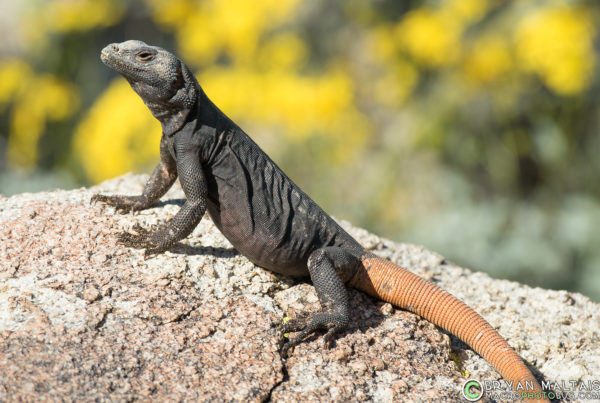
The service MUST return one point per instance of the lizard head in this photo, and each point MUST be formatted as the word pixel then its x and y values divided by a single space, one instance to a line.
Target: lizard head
pixel 164 83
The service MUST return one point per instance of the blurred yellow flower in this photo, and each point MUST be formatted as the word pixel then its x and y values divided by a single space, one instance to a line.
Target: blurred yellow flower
pixel 557 44
pixel 261 83
pixel 282 52
pixel 384 43
pixel 117 135
pixel 466 11
pixel 71 15
pixel 488 59
pixel 430 37
pixel 234 27
pixel 43 98
pixel 14 75
pixel 299 105
pixel 170 13
pixel 392 86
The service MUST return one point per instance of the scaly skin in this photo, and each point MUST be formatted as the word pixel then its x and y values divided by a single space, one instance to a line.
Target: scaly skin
pixel 389 282
pixel 266 216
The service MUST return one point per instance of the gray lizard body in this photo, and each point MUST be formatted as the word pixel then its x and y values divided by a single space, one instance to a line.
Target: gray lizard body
pixel 266 216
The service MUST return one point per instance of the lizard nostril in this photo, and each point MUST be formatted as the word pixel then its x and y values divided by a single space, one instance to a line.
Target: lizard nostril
pixel 115 47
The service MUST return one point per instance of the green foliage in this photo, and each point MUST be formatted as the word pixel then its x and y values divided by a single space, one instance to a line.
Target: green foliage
pixel 470 126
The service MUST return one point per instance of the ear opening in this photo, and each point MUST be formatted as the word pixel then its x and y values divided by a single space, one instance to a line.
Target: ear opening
pixel 183 101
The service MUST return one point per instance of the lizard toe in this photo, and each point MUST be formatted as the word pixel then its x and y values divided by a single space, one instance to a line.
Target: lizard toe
pixel 139 239
pixel 151 252
pixel 333 322
pixel 95 198
pixel 297 324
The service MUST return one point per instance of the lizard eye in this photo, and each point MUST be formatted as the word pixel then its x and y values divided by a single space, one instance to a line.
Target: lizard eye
pixel 144 56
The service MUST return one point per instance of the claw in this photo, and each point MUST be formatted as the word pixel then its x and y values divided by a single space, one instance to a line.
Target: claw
pixel 284 349
pixel 126 239
pixel 298 324
pixel 137 239
pixel 152 252
pixel 97 198
pixel 123 208
pixel 138 228
pixel 328 338
pixel 307 324
pixel 285 346
pixel 122 204
pixel 141 238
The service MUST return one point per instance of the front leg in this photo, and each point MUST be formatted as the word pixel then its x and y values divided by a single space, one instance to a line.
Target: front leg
pixel 160 181
pixel 193 182
pixel 330 268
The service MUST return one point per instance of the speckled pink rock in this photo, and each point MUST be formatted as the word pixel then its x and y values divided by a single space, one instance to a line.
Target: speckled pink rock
pixel 87 325
pixel 83 318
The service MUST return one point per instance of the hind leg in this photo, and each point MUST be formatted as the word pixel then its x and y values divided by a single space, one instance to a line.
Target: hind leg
pixel 330 269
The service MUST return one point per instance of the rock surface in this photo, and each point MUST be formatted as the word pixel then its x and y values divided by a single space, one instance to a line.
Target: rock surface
pixel 83 318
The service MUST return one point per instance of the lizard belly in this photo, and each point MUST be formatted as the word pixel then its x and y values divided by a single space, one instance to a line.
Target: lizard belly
pixel 262 212
pixel 252 239
pixel 267 218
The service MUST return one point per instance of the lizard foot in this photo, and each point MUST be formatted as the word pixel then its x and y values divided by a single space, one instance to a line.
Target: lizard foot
pixel 142 238
pixel 122 204
pixel 333 322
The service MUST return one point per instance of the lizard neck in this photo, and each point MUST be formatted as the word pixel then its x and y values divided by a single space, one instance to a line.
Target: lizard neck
pixel 171 119
pixel 174 112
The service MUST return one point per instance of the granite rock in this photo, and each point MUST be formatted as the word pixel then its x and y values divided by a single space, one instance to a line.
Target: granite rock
pixel 83 318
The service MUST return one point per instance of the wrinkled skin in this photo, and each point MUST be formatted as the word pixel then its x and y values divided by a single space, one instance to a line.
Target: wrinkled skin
pixel 265 215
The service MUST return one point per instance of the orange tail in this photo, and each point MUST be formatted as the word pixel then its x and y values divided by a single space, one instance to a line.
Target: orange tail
pixel 392 283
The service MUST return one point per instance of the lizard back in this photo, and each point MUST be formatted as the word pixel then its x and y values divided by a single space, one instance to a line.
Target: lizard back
pixel 258 208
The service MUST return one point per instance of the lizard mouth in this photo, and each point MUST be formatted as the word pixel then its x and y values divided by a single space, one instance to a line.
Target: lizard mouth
pixel 116 64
